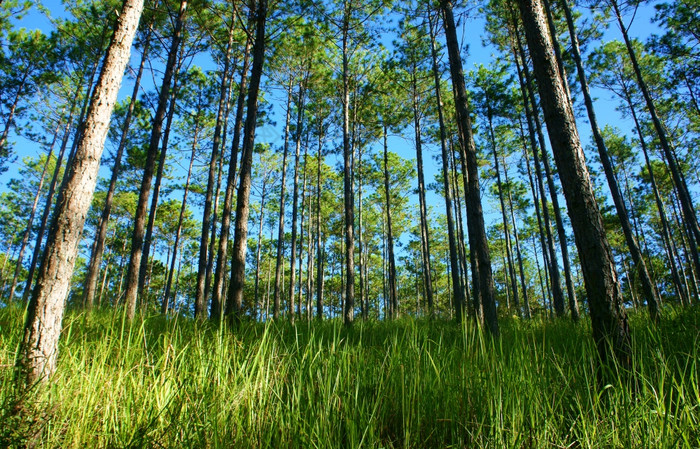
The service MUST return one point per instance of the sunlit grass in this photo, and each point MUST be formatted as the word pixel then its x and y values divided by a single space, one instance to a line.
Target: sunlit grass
pixel 172 382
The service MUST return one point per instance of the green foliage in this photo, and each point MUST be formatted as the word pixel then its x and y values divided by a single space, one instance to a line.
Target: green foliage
pixel 173 382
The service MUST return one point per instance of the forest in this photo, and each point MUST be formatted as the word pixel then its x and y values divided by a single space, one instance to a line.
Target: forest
pixel 349 223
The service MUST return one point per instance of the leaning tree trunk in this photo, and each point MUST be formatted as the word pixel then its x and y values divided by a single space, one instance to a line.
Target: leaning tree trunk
pixel 144 272
pixel 98 246
pixel 132 277
pixel 608 317
pixel 687 208
pixel 201 289
pixel 219 274
pixel 39 349
pixel 478 242
pixel 240 240
pixel 457 288
pixel 648 288
pixel 28 230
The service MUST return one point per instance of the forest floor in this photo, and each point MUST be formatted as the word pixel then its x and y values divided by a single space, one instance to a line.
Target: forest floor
pixel 172 383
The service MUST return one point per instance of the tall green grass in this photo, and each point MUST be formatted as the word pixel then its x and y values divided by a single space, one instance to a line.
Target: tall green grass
pixel 172 382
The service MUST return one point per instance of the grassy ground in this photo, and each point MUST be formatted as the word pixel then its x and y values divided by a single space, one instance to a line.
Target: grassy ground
pixel 175 383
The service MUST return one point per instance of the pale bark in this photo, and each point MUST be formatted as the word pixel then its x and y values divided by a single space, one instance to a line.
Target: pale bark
pixel 38 353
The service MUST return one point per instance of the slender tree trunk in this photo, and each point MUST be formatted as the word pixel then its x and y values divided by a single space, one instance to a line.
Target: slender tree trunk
pixel 608 317
pixel 478 242
pixel 146 263
pixel 137 239
pixel 534 124
pixel 457 290
pixel 425 234
pixel 99 243
pixel 295 196
pixel 178 233
pixel 506 230
pixel 219 273
pixel 521 268
pixel 259 244
pixel 392 291
pixel 349 195
pixel 240 240
pixel 665 228
pixel 279 266
pixel 36 253
pixel 648 288
pixel 11 113
pixel 687 208
pixel 203 266
pixel 30 221
pixel 38 352
pixel 319 242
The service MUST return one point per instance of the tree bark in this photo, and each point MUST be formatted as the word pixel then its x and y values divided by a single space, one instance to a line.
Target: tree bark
pixel 608 317
pixel 218 291
pixel 39 349
pixel 137 239
pixel 98 246
pixel 478 242
pixel 457 289
pixel 240 240
pixel 200 292
pixel 648 287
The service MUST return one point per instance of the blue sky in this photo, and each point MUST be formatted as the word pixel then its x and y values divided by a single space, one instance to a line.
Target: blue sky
pixel 471 31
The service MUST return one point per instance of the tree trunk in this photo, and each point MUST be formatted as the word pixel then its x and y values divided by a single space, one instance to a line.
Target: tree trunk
pixel 349 194
pixel 319 242
pixel 506 230
pixel 137 239
pixel 202 278
pixel 648 287
pixel 99 243
pixel 458 291
pixel 259 245
pixel 393 295
pixel 608 317
pixel 217 295
pixel 25 236
pixel 240 240
pixel 425 234
pixel 39 348
pixel 279 265
pixel 178 233
pixel 533 127
pixel 478 242
pixel 295 196
pixel 144 271
pixel 687 208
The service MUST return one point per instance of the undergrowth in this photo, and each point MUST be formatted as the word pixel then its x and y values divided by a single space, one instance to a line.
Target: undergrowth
pixel 172 382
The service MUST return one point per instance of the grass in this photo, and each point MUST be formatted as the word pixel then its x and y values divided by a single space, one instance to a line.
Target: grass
pixel 172 382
